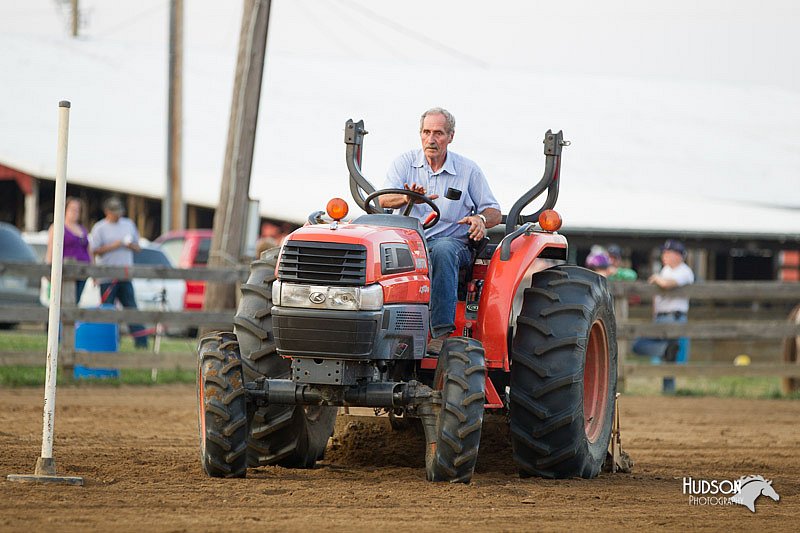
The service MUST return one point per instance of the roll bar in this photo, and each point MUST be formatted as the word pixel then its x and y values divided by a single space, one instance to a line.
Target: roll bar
pixel 553 142
pixel 360 187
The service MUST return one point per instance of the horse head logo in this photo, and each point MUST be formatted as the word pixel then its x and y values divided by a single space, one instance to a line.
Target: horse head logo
pixel 751 488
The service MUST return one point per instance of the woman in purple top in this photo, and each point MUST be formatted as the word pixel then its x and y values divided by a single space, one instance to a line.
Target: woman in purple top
pixel 76 240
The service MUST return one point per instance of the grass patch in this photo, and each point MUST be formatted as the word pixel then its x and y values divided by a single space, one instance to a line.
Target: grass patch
pixel 18 341
pixel 27 376
pixel 721 387
pixel 28 341
pixel 36 342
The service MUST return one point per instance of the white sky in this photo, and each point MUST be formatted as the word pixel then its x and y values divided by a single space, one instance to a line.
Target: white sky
pixel 686 101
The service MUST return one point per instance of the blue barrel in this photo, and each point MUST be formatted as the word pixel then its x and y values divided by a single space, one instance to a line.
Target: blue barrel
pixel 85 372
pixel 96 337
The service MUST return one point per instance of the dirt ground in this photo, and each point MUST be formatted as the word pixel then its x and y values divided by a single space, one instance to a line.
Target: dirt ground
pixel 137 449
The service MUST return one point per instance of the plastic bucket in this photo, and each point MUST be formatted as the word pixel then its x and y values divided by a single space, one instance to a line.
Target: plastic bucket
pixel 85 372
pixel 96 337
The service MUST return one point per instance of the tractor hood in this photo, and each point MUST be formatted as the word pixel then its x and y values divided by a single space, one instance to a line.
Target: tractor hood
pixel 358 254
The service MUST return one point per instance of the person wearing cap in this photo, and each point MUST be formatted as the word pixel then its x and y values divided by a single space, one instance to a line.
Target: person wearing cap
pixel 599 262
pixel 114 239
pixel 667 308
pixel 431 170
pixel 617 272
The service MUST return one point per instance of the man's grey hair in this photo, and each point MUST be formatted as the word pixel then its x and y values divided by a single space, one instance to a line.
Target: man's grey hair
pixel 450 120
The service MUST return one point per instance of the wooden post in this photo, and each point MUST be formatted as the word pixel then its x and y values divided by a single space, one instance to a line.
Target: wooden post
pixel 32 207
pixel 191 216
pixel 75 17
pixel 67 342
pixel 621 314
pixel 231 212
pixel 791 351
pixel 172 216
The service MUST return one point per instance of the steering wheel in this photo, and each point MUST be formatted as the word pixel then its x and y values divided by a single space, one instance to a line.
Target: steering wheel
pixel 429 222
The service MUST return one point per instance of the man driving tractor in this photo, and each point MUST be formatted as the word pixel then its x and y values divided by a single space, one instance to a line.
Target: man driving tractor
pixel 342 313
pixel 465 214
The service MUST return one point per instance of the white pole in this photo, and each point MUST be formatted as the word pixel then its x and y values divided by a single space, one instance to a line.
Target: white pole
pixel 54 320
pixel 45 471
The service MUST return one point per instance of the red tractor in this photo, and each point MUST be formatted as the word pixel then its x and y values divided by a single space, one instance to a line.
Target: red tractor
pixel 339 316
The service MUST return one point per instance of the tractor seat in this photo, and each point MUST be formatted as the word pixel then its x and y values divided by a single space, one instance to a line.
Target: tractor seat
pixel 487 250
pixel 482 249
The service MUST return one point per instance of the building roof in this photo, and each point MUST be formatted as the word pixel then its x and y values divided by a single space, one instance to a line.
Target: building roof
pixel 684 144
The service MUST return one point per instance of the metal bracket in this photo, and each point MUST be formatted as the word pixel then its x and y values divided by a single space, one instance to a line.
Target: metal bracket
pixel 354 132
pixel 553 143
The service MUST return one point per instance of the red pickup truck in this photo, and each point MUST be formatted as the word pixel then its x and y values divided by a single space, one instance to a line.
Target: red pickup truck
pixel 187 249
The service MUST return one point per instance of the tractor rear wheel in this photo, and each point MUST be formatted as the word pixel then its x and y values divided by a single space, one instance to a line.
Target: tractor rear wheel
pixel 290 436
pixel 461 377
pixel 222 409
pixel 563 375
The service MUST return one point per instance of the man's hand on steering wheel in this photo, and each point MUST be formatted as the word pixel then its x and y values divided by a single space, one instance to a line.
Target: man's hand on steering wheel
pixel 414 194
pixel 419 189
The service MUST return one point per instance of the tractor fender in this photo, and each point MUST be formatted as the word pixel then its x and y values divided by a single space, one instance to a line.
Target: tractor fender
pixel 502 285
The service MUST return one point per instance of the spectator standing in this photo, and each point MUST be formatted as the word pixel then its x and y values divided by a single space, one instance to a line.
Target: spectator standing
pixel 76 240
pixel 114 239
pixel 667 308
pixel 617 272
pixel 599 262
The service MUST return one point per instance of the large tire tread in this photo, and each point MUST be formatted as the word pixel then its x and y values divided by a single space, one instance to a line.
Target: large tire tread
pixel 222 407
pixel 461 374
pixel 548 430
pixel 289 436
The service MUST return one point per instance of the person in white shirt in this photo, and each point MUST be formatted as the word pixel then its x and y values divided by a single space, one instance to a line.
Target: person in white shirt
pixel 114 239
pixel 667 308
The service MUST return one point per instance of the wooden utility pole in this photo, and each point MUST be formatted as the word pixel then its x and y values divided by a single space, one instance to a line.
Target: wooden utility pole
pixel 172 207
pixel 75 17
pixel 231 213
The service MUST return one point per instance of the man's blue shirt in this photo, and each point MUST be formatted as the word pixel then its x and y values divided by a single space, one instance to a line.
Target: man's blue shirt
pixel 457 172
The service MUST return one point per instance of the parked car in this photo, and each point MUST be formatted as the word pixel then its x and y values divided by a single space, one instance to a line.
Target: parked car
pixel 16 290
pixel 154 293
pixel 38 241
pixel 187 249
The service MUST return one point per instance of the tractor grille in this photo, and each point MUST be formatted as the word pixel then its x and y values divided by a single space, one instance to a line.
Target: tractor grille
pixel 323 336
pixel 324 263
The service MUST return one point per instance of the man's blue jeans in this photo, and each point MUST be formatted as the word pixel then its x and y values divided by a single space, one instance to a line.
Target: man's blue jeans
pixel 447 255
pixel 123 291
pixel 655 348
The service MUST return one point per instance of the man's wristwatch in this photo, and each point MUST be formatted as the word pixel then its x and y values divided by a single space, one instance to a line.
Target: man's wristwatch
pixel 482 218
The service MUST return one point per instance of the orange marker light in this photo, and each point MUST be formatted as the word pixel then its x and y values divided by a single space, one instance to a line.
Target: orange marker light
pixel 337 208
pixel 549 220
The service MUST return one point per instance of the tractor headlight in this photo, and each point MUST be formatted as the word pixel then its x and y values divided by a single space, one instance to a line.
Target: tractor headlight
pixel 368 298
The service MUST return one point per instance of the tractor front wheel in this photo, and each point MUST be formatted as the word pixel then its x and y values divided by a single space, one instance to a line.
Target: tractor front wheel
pixel 452 447
pixel 285 435
pixel 222 407
pixel 563 375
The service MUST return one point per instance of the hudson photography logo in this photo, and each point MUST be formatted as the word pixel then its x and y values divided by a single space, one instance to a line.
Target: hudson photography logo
pixel 743 491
